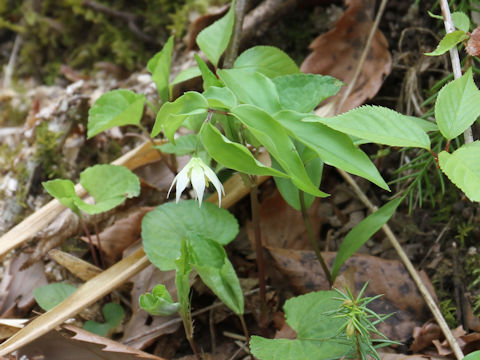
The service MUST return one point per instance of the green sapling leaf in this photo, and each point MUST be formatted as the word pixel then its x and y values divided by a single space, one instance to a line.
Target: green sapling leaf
pixel 303 92
pixel 49 296
pixel 115 108
pixel 113 314
pixel 214 39
pixel 159 302
pixel 449 41
pixel 379 125
pixel 185 75
pixel 164 228
pixel 473 356
pixel 363 231
pixel 267 60
pixel 233 155
pixel 463 168
pixel 184 145
pixel 209 78
pixel 64 191
pixel 461 21
pixel 457 106
pixel 159 67
pixel 220 97
pixel 182 279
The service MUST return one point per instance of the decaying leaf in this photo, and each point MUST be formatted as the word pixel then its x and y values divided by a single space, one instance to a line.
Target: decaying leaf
pixel 473 44
pixel 337 52
pixel 423 336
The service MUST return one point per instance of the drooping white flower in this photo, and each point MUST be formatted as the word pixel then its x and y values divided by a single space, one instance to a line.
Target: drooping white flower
pixel 197 172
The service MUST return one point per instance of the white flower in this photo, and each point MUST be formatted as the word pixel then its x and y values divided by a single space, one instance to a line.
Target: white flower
pixel 199 174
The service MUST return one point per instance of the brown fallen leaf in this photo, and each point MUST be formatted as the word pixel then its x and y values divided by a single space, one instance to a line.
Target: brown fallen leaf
pixel 337 52
pixel 473 44
pixel 423 336
pixel 388 356
pixel 387 277
pixel 468 342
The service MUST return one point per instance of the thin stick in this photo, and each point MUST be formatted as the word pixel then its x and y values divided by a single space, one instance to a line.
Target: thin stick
pixel 308 226
pixel 437 314
pixel 455 59
pixel 100 250
pixel 244 326
pixel 7 80
pixel 368 45
pixel 232 50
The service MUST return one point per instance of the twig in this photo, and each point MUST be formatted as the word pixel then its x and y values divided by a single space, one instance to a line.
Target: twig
pixel 7 80
pixel 437 314
pixel 457 69
pixel 232 50
pixel 365 52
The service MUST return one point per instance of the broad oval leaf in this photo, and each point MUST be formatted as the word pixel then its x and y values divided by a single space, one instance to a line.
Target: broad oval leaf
pixel 334 147
pixel 50 295
pixel 220 97
pixel 115 108
pixel 461 21
pixel 113 314
pixel 449 41
pixel 186 74
pixel 363 231
pixel 64 191
pixel 214 39
pixel 268 60
pixel 184 145
pixel 379 125
pixel 164 228
pixel 274 137
pixel 457 106
pixel 303 92
pixel 159 67
pixel 252 88
pixel 473 356
pixel 233 155
pixel 463 168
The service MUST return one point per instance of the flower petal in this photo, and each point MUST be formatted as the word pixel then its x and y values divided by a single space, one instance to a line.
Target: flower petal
pixel 182 182
pixel 216 183
pixel 198 182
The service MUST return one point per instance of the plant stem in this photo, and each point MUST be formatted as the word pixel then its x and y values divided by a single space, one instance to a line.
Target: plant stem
pixel 171 167
pixel 100 251
pixel 188 326
pixel 244 326
pixel 92 248
pixel 232 50
pixel 313 241
pixel 259 252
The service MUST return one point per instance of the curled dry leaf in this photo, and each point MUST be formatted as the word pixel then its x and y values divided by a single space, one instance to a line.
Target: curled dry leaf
pixel 473 44
pixel 387 277
pixel 337 52
pixel 423 336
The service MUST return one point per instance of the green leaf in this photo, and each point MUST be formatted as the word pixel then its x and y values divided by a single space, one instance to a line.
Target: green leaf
pixel 186 74
pixel 333 147
pixel 426 125
pixel 473 356
pixel 159 67
pixel 379 125
pixel 303 92
pixel 252 88
pixel 463 168
pixel 113 314
pixel 182 279
pixel 363 231
pixel 449 41
pixel 172 114
pixel 64 192
pixel 306 315
pixel 49 296
pixel 276 140
pixel 220 97
pixel 115 108
pixel 214 39
pixel 159 302
pixel 164 228
pixel 461 21
pixel 233 155
pixel 209 78
pixel 432 15
pixel 184 145
pixel 210 261
pixel 268 60
pixel 109 185
pixel 457 106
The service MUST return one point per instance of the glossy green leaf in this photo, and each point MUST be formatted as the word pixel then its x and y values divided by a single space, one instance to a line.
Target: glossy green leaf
pixel 159 302
pixel 64 192
pixel 113 314
pixel 463 168
pixel 457 106
pixel 268 60
pixel 186 74
pixel 233 155
pixel 220 97
pixel 252 88
pixel 449 41
pixel 303 92
pixel 159 67
pixel 184 145
pixel 115 108
pixel 164 228
pixel 182 279
pixel 214 39
pixel 210 261
pixel 425 125
pixel 50 295
pixel 333 147
pixel 209 78
pixel 276 140
pixel 473 356
pixel 172 114
pixel 363 231
pixel 379 125
pixel 461 21
pixel 306 315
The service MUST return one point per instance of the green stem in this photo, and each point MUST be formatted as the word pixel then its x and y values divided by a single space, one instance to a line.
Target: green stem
pixel 188 326
pixel 308 226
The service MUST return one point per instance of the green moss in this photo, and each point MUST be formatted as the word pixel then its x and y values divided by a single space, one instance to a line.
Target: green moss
pixel 47 154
